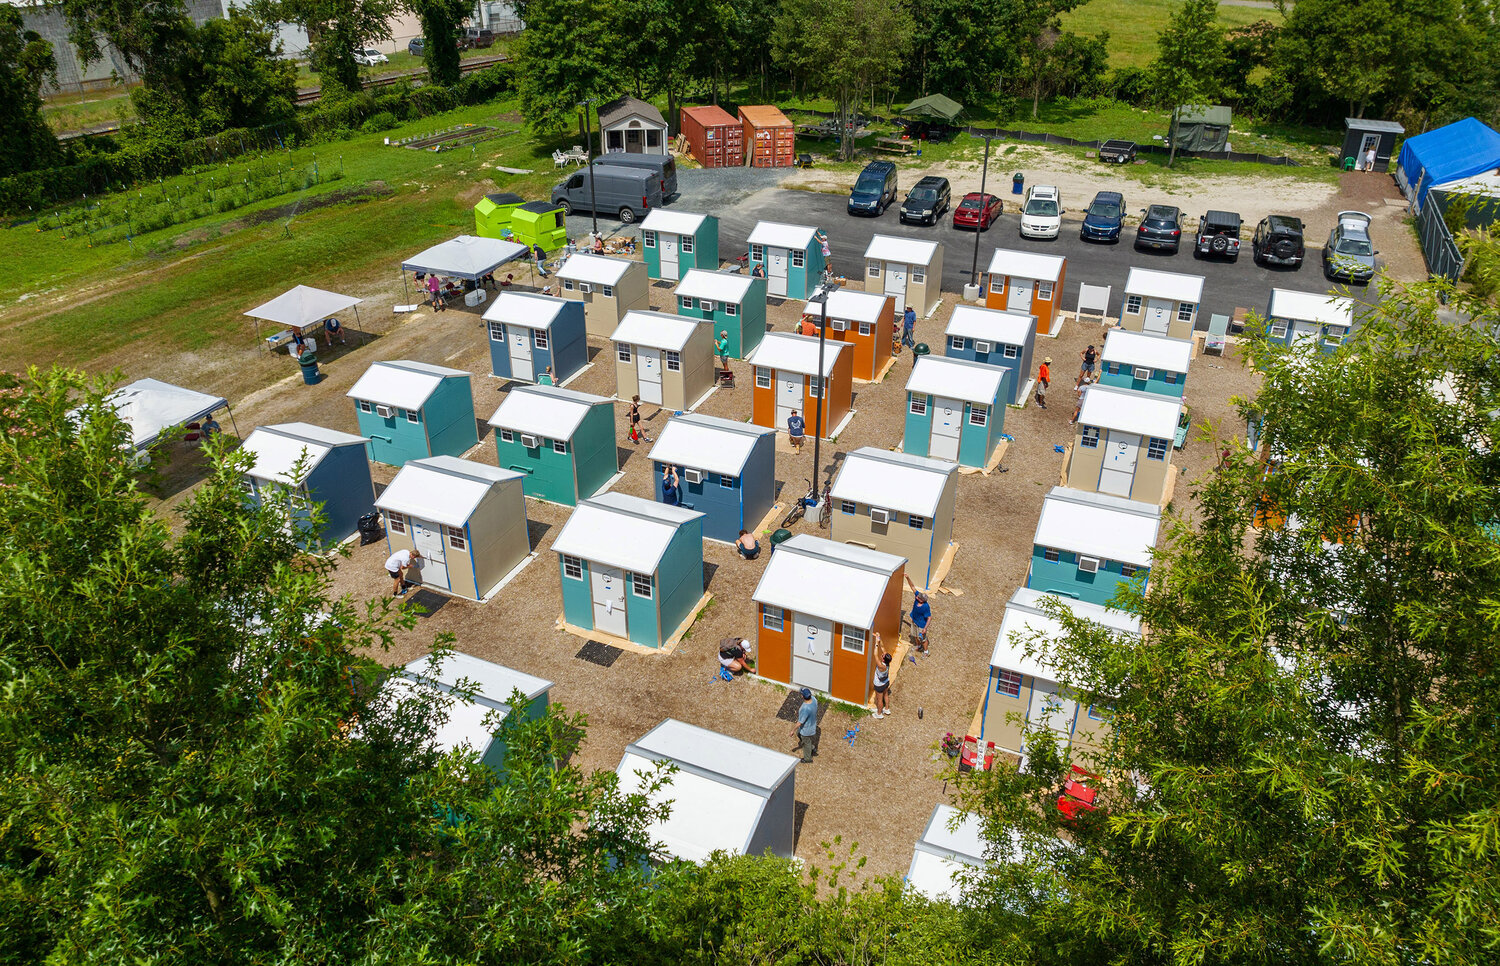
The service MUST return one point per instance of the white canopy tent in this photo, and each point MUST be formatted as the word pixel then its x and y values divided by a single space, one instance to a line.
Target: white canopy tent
pixel 467 256
pixel 302 306
pixel 150 407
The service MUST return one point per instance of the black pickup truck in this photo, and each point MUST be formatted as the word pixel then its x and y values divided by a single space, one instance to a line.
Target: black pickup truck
pixel 1117 152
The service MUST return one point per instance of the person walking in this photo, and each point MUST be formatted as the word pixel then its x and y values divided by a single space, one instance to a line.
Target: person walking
pixel 671 493
pixel 539 257
pixel 1370 159
pixel 909 327
pixel 806 731
pixel 435 289
pixel 1043 382
pixel 635 419
pixel 882 681
pixel 921 617
pixel 795 427
pixel 721 349
pixel 397 564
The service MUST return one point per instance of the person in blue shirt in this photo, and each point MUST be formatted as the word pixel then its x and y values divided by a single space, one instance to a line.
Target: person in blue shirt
pixel 807 725
pixel 795 427
pixel 669 486
pixel 921 617
pixel 909 327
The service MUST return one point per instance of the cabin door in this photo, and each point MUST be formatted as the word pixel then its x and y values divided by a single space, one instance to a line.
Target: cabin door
pixel 1158 316
pixel 776 269
pixel 1304 332
pixel 895 283
pixel 1020 295
pixel 812 649
pixel 519 339
pixel 669 267
pixel 648 373
pixel 790 395
pixel 428 538
pixel 1050 710
pixel 1121 450
pixel 947 424
pixel 608 584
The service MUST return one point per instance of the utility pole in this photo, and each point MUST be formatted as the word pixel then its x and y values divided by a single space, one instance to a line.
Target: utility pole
pixel 821 297
pixel 984 174
pixel 588 149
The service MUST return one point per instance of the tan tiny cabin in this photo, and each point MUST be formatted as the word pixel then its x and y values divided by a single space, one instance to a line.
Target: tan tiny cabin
pixel 1161 303
pixel 607 287
pixel 665 359
pixel 897 504
pixel 1122 443
pixel 909 270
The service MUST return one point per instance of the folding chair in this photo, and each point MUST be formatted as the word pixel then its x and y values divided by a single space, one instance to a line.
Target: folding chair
pixel 1217 337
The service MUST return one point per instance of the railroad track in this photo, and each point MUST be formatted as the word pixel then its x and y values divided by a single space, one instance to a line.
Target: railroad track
pixel 310 95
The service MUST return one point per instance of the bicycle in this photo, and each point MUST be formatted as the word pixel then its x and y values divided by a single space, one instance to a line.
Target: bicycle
pixel 825 506
pixel 799 508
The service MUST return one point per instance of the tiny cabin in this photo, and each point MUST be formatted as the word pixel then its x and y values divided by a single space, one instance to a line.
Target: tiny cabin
pixel 1122 443
pixel 665 359
pixel 308 466
pixel 952 849
pixel 632 126
pixel 1023 693
pixel 727 795
pixel 607 287
pixel 630 568
pixel 898 504
pixel 994 337
pixel 1161 303
pixel 821 604
pixel 1363 135
pixel 729 302
pixel 530 332
pixel 1145 363
pixel 487 688
pixel 909 270
pixel 726 470
pixel 955 410
pixel 412 410
pixel 1088 544
pixel 674 243
pixel 787 379
pixel 790 257
pixel 862 320
pixel 1299 318
pixel 467 519
pixel 1028 283
pixel 561 441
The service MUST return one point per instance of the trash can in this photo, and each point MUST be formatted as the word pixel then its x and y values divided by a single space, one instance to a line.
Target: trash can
pixel 1017 183
pixel 921 349
pixel 779 537
pixel 309 363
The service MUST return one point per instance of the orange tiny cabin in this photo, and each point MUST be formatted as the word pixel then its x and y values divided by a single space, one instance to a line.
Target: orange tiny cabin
pixel 786 378
pixel 1027 282
pixel 865 322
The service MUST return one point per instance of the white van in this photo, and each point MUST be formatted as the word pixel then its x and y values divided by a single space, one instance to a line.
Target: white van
pixel 1042 215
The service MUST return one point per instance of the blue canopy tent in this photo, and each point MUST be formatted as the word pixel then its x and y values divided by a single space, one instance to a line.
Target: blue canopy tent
pixel 1459 150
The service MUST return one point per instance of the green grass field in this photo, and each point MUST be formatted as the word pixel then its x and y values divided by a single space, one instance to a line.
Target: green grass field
pixel 1134 24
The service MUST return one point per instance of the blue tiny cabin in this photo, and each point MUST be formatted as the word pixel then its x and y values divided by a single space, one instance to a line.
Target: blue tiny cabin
pixel 995 337
pixel 732 303
pixel 630 568
pixel 412 410
pixel 312 466
pixel 674 243
pixel 726 470
pixel 1131 360
pixel 1088 544
pixel 790 256
pixel 562 441
pixel 955 410
pixel 1298 318
pixel 479 688
pixel 529 332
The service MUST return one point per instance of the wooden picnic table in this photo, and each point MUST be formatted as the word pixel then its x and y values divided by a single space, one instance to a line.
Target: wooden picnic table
pixel 895 145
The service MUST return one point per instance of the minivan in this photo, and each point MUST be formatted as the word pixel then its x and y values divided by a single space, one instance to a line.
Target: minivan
pixel 622 190
pixel 874 190
pixel 1042 215
pixel 662 164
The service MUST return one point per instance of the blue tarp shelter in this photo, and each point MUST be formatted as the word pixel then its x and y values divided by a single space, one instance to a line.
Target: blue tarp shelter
pixel 1459 150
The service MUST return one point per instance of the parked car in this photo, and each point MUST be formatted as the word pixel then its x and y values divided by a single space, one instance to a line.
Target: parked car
pixel 662 164
pixel 477 38
pixel 928 199
pixel 1041 217
pixel 369 57
pixel 416 46
pixel 1349 253
pixel 977 211
pixel 874 189
pixel 1160 228
pixel 1278 241
pixel 1117 151
pixel 1218 234
pixel 1104 218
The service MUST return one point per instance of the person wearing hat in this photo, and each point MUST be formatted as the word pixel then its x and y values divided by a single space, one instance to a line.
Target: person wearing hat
pixel 807 725
pixel 921 617
pixel 1043 380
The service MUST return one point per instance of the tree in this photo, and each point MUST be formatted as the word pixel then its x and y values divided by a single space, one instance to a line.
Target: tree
pixel 26 62
pixel 1034 29
pixel 563 57
pixel 335 30
pixel 441 21
pixel 1191 63
pixel 150 36
pixel 954 47
pixel 244 80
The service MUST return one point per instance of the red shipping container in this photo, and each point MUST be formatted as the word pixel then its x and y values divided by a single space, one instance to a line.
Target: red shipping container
pixel 707 128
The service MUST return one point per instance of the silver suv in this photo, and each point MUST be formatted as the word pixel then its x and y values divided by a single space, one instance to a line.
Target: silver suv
pixel 1349 253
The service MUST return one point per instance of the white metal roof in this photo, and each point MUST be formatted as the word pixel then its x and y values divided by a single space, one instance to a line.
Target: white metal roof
pixel 712 753
pixel 302 305
pixel 148 407
pixel 895 481
pixel 442 489
pixel 942 855
pixel 991 325
pixel 622 531
pixel 779 235
pixel 1164 285
pixel 545 411
pixel 533 310
pixel 911 251
pixel 1024 619
pixel 278 449
pixel 956 379
pixel 708 443
pixel 673 222
pixel 1311 307
pixel 1154 352
pixel 719 286
pixel 401 383
pixel 465 720
pixel 467 256
pixel 595 269
pixel 1018 264
pixel 707 816
pixel 489 683
pixel 795 353
pixel 1130 411
pixel 656 330
pixel 851 305
pixel 836 581
pixel 1098 525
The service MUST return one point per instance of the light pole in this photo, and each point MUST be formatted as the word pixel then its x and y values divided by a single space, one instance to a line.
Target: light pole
pixel 984 174
pixel 588 149
pixel 821 297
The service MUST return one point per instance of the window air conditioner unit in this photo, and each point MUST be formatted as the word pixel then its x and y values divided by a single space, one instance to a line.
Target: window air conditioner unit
pixel 585 287
pixel 878 515
pixel 385 412
pixel 838 325
pixel 1088 565
pixel 693 476
pixel 529 441
pixel 1141 372
pixel 981 346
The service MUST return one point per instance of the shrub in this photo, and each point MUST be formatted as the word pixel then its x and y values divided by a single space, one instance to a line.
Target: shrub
pixel 376 123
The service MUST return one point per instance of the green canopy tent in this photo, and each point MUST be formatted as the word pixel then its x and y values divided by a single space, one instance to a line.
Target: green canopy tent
pixel 1202 128
pixel 944 109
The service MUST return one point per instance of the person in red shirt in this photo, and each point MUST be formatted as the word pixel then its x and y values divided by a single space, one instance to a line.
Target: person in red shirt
pixel 1043 381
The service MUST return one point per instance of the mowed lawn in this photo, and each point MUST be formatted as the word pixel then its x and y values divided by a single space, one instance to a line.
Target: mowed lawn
pixel 1134 24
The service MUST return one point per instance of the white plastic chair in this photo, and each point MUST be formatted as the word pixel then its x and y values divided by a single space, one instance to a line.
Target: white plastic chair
pixel 559 160
pixel 1218 331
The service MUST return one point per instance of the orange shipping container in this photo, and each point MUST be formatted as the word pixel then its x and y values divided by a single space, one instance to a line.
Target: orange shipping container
pixel 771 134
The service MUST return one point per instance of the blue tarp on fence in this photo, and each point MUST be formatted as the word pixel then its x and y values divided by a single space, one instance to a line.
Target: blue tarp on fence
pixel 1459 150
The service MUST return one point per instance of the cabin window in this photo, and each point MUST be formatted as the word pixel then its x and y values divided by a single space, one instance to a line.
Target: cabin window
pixel 622 351
pixel 731 309
pixel 1044 291
pixel 1128 570
pixel 673 361
pixel 539 338
pixel 799 258
pixel 1010 352
pixel 873 270
pixel 918 405
pixel 413 415
pixel 1097 713
pixel 772 618
pixel 365 407
pixel 396 522
pixel 1278 330
pixel 918 275
pixel 814 386
pixel 979 415
pixel 568 285
pixel 762 377
pixel 865 328
pixel 1008 682
pixel 687 244
pixel 686 302
pixel 997 284
pixel 456 538
pixel 1113 368
pixel 1051 553
pixel 507 436
pixel 1172 377
pixel 1185 311
pixel 1335 335
pixel 608 291
pixel 1090 438
pixel 727 482
pixel 853 639
pixel 958 343
pixel 757 253
pixel 1156 449
pixel 560 446
pixel 572 567
pixel 497 331
pixel 1133 304
pixel 648 239
pixel 640 585
pixel 847 506
pixel 915 522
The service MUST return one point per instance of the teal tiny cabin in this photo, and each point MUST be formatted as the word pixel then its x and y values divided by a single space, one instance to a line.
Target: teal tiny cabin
pixel 790 257
pixel 479 688
pixel 412 410
pixel 955 409
pixel 1088 544
pixel 734 304
pixel 630 568
pixel 674 243
pixel 562 441
pixel 308 466
pixel 1145 363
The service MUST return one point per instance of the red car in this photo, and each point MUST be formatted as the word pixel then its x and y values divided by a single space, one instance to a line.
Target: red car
pixel 1077 796
pixel 976 210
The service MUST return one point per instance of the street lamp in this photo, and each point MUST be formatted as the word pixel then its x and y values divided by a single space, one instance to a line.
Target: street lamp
pixel 979 225
pixel 588 149
pixel 821 296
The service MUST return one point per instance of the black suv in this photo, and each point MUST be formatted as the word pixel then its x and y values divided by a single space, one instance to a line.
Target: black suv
pixel 1161 227
pixel 1278 241
pixel 874 190
pixel 1219 234
pixel 928 199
